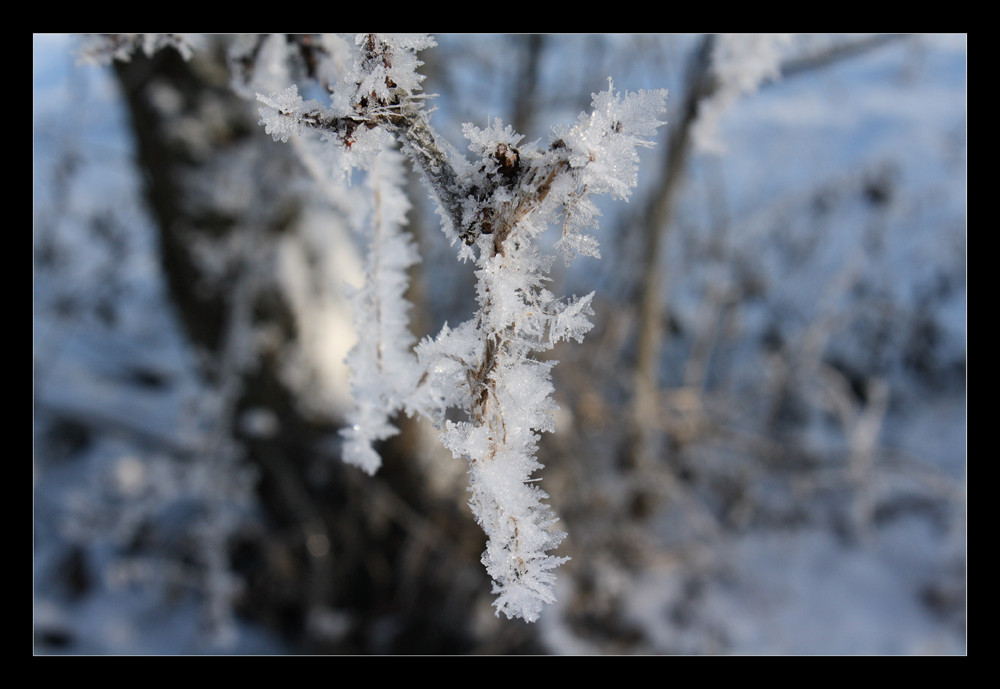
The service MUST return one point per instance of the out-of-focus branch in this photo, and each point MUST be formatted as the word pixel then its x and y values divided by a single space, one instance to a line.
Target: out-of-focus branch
pixel 641 450
pixel 836 53
pixel 526 86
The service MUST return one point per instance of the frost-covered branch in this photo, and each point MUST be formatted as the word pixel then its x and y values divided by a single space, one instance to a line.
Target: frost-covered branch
pixel 383 366
pixel 528 190
pixel 494 207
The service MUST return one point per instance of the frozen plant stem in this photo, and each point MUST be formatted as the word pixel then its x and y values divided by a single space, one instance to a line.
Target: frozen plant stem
pixel 493 208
